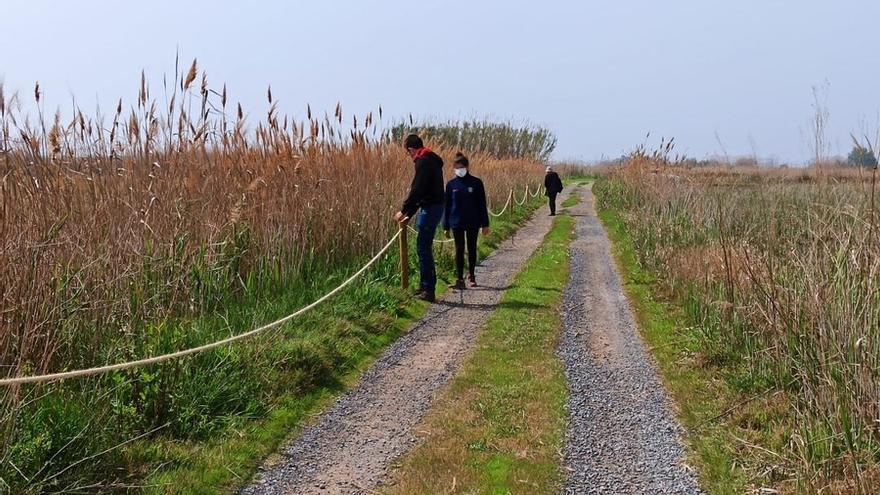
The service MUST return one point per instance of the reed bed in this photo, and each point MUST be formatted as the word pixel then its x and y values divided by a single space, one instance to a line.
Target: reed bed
pixel 496 139
pixel 778 270
pixel 120 233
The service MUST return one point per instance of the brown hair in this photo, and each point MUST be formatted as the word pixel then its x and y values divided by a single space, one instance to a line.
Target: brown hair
pixel 413 141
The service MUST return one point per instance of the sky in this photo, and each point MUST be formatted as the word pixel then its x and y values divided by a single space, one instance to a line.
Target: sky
pixel 722 77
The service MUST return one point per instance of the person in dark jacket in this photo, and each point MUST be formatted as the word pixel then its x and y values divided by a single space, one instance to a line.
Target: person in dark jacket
pixel 426 198
pixel 465 214
pixel 552 187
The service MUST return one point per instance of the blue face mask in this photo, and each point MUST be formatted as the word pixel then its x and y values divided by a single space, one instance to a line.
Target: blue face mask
pixel 460 172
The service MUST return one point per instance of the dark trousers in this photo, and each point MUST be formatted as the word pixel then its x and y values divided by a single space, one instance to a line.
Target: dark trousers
pixel 552 197
pixel 426 223
pixel 460 236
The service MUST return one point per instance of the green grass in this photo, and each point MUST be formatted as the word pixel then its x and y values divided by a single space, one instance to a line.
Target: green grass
pixel 579 179
pixel 498 428
pixel 573 180
pixel 209 467
pixel 571 201
pixel 699 396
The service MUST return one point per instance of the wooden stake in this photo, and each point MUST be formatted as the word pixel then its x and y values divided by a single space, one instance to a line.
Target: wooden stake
pixel 404 258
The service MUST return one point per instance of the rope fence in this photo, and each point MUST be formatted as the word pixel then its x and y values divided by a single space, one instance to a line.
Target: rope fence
pixel 525 197
pixel 509 196
pixel 400 235
pixel 165 357
pixel 436 241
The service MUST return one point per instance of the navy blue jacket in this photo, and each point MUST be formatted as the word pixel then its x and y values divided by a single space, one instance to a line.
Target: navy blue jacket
pixel 465 204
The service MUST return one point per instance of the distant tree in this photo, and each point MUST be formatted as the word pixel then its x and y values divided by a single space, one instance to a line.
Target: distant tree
pixel 861 156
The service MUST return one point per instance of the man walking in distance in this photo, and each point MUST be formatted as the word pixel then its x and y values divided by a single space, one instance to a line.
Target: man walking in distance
pixel 425 197
pixel 552 187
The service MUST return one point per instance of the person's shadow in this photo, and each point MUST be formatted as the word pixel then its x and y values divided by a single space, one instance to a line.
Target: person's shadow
pixel 491 307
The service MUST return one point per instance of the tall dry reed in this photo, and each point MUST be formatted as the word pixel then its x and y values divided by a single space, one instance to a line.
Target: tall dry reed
pixel 166 210
pixel 94 209
pixel 778 269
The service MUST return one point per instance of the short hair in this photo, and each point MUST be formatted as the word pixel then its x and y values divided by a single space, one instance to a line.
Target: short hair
pixel 413 141
pixel 460 158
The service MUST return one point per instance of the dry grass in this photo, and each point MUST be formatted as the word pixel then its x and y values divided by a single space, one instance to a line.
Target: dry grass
pixel 778 268
pixel 169 208
pixel 104 223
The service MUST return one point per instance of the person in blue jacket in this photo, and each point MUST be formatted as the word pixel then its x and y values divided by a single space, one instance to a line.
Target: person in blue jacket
pixel 466 213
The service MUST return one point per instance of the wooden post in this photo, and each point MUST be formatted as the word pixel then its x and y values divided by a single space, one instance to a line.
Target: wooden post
pixel 404 258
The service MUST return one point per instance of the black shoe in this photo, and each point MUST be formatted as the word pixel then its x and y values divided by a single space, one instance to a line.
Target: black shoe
pixel 472 281
pixel 553 214
pixel 426 295
pixel 458 285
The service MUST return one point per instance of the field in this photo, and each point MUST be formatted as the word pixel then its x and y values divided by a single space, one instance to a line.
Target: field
pixel 179 221
pixel 772 276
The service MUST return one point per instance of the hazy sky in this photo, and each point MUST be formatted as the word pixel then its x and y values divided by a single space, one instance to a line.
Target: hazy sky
pixel 601 74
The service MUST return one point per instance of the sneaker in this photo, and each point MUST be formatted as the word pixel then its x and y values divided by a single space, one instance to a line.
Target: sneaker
pixel 426 295
pixel 458 285
pixel 472 281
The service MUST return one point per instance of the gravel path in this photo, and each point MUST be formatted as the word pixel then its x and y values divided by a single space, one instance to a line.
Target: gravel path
pixel 349 447
pixel 622 436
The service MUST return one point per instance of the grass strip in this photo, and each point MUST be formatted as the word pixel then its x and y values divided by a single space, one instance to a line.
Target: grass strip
pixel 498 427
pixel 571 201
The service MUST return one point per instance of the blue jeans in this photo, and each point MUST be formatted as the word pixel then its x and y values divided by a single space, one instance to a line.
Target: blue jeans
pixel 427 220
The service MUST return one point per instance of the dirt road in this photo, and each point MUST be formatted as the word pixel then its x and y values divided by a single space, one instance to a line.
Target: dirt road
pixel 349 447
pixel 622 435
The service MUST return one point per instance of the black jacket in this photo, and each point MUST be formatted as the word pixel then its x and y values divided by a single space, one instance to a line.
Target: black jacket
pixel 427 184
pixel 465 204
pixel 552 183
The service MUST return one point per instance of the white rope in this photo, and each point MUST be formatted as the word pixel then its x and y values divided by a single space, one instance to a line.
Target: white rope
pixel 194 350
pixel 186 352
pixel 537 192
pixel 525 197
pixel 439 241
pixel 509 196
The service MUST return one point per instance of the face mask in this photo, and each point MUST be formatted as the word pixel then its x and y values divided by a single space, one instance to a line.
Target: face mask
pixel 461 172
